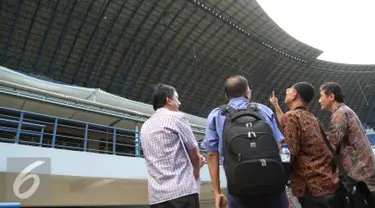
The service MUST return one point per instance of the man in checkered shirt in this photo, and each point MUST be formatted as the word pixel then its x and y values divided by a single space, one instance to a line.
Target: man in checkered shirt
pixel 172 176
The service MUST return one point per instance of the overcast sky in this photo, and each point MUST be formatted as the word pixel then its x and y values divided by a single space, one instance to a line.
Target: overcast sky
pixel 343 29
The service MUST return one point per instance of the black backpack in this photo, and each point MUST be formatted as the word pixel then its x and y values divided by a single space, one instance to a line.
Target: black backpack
pixel 252 162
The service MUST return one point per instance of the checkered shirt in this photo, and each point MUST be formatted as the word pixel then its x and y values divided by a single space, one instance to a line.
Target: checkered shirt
pixel 170 173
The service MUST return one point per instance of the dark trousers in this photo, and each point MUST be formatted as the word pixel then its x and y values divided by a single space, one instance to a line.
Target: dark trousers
pixel 279 201
pixel 371 201
pixel 189 201
pixel 326 201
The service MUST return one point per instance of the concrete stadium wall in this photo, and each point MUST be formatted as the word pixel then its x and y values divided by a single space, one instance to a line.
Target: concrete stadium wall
pixel 86 164
pixel 90 179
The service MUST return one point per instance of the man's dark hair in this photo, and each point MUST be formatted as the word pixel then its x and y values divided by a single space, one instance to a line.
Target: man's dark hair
pixel 236 86
pixel 335 89
pixel 305 90
pixel 161 92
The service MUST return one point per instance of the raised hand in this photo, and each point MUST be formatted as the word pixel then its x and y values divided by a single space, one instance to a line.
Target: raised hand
pixel 273 99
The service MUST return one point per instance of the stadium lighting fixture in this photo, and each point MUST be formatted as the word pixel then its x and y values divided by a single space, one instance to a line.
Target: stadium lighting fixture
pixel 238 27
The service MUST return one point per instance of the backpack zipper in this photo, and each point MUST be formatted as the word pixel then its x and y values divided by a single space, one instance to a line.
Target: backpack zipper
pixel 269 153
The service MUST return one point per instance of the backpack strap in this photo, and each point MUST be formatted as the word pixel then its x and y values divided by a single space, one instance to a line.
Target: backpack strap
pixel 229 109
pixel 253 106
pixel 225 109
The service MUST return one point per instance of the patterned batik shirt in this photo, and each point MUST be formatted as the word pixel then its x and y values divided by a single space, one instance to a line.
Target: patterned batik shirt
pixel 348 138
pixel 170 173
pixel 312 163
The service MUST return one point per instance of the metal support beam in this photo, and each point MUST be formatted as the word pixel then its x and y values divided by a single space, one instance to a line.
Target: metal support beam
pixel 84 13
pixel 54 133
pixel 138 70
pixel 94 71
pixel 93 94
pixel 126 49
pixel 41 137
pixel 137 142
pixel 211 82
pixel 19 128
pixel 52 67
pixel 11 34
pixel 28 34
pixel 86 135
pixel 88 49
pixel 45 37
pixel 110 54
pixel 115 122
pixel 133 42
pixel 114 141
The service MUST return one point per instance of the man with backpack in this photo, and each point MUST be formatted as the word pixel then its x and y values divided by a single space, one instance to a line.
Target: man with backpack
pixel 245 135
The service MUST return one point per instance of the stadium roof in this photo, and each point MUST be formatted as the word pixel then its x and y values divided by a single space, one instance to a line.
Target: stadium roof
pixel 124 47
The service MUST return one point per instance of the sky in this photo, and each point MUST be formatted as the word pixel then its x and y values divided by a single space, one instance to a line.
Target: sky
pixel 343 29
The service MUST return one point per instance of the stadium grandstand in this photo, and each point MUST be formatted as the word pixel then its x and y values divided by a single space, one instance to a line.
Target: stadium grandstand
pixel 76 79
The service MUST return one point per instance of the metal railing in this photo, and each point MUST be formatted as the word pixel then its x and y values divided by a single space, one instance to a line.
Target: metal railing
pixel 34 129
pixel 21 91
pixel 10 205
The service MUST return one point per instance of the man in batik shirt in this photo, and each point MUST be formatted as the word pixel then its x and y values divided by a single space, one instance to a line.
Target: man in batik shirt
pixel 347 136
pixel 312 178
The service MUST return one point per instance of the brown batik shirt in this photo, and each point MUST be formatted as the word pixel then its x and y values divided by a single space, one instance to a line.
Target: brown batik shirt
pixel 348 138
pixel 312 161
